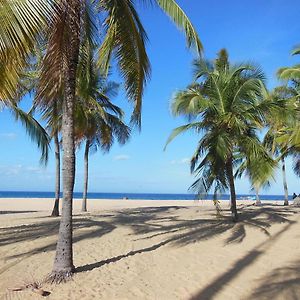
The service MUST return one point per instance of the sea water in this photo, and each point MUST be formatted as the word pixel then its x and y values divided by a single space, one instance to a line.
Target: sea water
pixel 133 196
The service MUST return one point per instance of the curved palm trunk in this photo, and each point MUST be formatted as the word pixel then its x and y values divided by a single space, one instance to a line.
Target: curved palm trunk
pixel 216 203
pixel 63 267
pixel 55 211
pixel 286 193
pixel 258 202
pixel 86 175
pixel 229 170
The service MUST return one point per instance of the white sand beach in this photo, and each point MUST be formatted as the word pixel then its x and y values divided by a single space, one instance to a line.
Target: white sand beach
pixel 130 249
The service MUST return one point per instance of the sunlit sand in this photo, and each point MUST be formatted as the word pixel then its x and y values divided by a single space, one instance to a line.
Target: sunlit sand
pixel 125 249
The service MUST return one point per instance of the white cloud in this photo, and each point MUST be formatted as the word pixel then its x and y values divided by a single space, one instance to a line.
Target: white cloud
pixel 33 169
pixel 121 157
pixel 18 169
pixel 182 161
pixel 8 135
pixel 185 160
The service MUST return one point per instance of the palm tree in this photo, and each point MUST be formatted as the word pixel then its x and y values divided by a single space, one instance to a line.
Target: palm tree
pixel 279 152
pixel 10 99
pixel 230 106
pixel 33 128
pixel 259 175
pixel 98 121
pixel 291 136
pixel 65 23
pixel 99 133
pixel 290 73
pixel 52 116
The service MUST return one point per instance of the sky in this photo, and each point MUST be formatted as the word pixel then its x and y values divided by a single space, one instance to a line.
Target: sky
pixel 259 31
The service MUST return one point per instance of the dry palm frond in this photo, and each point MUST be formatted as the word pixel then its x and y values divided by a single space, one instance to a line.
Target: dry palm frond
pixel 35 287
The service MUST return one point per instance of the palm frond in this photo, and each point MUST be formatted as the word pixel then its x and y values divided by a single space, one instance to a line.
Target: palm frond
pixel 36 132
pixel 125 38
pixel 20 24
pixel 180 130
pixel 182 21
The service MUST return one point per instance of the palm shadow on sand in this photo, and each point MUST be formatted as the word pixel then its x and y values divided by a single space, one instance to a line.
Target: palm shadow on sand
pixel 8 212
pixel 48 228
pixel 147 223
pixel 281 283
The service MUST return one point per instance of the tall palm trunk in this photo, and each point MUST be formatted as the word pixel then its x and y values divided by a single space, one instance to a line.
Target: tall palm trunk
pixel 86 175
pixel 286 193
pixel 229 170
pixel 63 264
pixel 258 202
pixel 55 211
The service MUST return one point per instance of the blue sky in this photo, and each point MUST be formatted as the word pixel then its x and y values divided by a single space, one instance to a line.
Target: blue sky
pixel 263 32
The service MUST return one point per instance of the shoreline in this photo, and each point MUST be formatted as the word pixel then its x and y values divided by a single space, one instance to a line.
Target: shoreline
pixel 46 204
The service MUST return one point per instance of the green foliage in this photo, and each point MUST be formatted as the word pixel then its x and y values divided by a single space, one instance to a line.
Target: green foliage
pixel 226 107
pixel 36 132
pixel 24 24
pixel 97 119
pixel 287 132
pixel 125 40
pixel 20 24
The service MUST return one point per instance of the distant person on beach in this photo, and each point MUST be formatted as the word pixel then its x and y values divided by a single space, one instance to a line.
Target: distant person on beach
pixel 295 196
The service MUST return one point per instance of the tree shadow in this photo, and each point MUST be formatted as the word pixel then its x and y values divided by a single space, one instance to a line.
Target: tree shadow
pixel 151 222
pixel 90 267
pixel 21 233
pixel 31 232
pixel 281 283
pixel 210 291
pixel 7 212
pixel 214 287
pixel 166 223
pixel 154 222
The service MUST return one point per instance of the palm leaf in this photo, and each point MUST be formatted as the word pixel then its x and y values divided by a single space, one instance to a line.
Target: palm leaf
pixel 179 17
pixel 36 132
pixel 126 35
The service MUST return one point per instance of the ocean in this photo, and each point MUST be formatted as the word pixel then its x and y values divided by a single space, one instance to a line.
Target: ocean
pixel 133 196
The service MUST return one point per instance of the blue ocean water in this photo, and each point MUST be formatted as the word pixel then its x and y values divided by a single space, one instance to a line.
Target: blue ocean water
pixel 133 196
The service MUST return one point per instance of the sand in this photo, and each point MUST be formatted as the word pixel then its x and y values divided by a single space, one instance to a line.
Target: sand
pixel 125 249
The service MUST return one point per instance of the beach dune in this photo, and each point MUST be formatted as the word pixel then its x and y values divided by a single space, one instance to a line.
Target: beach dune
pixel 125 249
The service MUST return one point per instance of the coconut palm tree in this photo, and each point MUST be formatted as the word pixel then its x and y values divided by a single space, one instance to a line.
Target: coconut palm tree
pixel 292 135
pixel 64 24
pixel 33 128
pixel 279 151
pixel 258 174
pixel 228 107
pixel 290 73
pixel 99 133
pixel 51 115
pixel 10 99
pixel 98 121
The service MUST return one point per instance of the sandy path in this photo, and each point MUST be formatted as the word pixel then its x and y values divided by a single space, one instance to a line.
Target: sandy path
pixel 155 250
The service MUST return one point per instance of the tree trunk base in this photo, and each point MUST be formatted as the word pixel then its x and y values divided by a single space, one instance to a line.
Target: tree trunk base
pixel 57 277
pixel 234 216
pixel 286 203
pixel 55 211
pixel 258 203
